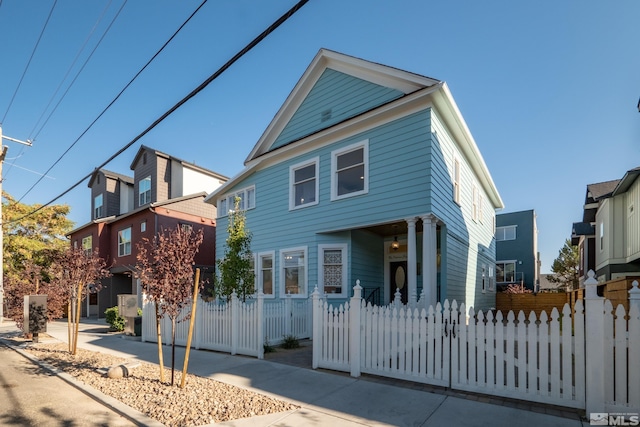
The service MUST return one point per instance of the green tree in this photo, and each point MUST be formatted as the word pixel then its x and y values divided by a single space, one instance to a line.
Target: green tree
pixel 235 270
pixel 31 242
pixel 566 267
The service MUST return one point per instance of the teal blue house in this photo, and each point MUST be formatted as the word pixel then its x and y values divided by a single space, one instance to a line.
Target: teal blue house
pixel 368 173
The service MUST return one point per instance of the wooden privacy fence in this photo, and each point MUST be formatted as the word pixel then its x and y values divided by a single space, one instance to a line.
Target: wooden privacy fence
pixel 581 358
pixel 235 327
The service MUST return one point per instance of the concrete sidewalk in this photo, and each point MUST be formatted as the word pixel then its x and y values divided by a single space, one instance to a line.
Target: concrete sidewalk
pixel 327 398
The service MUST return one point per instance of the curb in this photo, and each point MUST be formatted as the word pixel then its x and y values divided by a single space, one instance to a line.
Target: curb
pixel 128 412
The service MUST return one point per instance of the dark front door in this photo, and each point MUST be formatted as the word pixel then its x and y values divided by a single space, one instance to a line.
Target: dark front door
pixel 398 280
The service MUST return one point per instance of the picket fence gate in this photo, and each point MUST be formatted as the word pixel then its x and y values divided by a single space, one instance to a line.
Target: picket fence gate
pixel 584 358
pixel 235 327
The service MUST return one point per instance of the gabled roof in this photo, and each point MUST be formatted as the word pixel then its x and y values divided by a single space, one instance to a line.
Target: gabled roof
pixel 627 180
pixel 109 174
pixel 402 81
pixel 415 91
pixel 184 163
pixel 600 190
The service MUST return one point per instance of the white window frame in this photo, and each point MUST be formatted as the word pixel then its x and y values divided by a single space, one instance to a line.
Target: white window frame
pixel 484 279
pixel 227 202
pixel 87 244
pixel 364 145
pixel 601 237
pixel 501 233
pixel 122 245
pixel 292 183
pixel 492 281
pixel 456 180
pixel 305 276
pixel 98 209
pixel 345 269
pixel 143 226
pixel 144 197
pixel 475 203
pixel 260 273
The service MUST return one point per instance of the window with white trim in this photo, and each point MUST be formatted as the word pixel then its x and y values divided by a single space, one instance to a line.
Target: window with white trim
pixel 227 202
pixel 293 272
pixel 87 245
pixel 332 269
pixel 265 273
pixel 491 280
pixel 480 208
pixel 124 242
pixel 456 181
pixel 144 191
pixel 98 211
pixel 602 236
pixel 506 233
pixel 143 226
pixel 303 184
pixel 350 171
pixel 475 203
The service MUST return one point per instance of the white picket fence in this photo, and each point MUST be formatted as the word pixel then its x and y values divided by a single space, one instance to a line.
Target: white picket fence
pixel 585 358
pixel 235 327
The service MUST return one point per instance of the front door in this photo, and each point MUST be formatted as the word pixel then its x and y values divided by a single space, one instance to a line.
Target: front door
pixel 398 280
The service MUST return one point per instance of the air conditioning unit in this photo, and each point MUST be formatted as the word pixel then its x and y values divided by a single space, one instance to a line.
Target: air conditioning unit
pixel 128 308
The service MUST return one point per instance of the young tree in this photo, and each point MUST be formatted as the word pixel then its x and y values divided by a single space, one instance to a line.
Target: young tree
pixel 566 267
pixel 73 271
pixel 165 268
pixel 235 269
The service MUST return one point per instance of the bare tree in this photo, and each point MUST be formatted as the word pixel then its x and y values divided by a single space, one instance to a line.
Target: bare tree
pixel 74 270
pixel 165 268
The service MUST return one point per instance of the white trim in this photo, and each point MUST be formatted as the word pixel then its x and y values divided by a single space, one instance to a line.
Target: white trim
pixel 364 144
pixel 124 244
pixel 345 269
pixel 98 211
pixel 503 228
pixel 456 178
pixel 258 272
pixel 249 202
pixel 292 194
pixel 305 276
pixel 142 195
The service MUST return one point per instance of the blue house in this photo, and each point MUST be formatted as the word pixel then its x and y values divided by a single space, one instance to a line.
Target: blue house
pixel 368 173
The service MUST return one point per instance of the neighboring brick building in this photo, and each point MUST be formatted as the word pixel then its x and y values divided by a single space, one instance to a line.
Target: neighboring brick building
pixel 163 193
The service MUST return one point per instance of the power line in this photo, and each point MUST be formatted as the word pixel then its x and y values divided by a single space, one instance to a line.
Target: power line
pixel 6 174
pixel 114 99
pixel 29 63
pixel 193 93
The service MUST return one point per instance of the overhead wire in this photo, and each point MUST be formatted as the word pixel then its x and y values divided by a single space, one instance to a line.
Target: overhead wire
pixel 22 148
pixel 29 62
pixel 113 100
pixel 193 93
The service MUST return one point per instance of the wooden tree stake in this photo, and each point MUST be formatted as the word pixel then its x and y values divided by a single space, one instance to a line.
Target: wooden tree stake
pixel 191 323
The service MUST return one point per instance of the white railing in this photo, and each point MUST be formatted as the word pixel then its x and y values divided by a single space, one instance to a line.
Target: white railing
pixel 236 327
pixel 581 358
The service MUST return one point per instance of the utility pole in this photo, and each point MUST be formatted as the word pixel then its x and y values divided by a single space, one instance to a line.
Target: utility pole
pixel 3 154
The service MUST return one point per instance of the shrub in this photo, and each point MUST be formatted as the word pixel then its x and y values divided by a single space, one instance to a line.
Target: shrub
pixel 114 319
pixel 290 341
pixel 268 348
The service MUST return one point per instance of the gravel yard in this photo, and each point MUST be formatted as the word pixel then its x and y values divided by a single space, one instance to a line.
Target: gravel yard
pixel 202 401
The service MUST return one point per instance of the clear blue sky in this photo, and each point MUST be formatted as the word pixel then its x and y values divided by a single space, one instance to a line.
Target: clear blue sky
pixel 549 88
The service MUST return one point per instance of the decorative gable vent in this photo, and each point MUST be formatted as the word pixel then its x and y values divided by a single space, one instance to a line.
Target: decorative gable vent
pixel 325 115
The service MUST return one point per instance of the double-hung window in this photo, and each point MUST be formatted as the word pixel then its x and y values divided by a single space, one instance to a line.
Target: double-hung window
pixel 293 276
pixel 87 245
pixel 332 269
pixel 144 191
pixel 350 171
pixel 264 277
pixel 124 242
pixel 247 201
pixel 303 178
pixel 98 211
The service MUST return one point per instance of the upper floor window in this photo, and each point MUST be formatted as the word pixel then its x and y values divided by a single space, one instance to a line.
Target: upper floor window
pixel 350 171
pixel 98 211
pixel 476 211
pixel 144 191
pixel 456 181
pixel 247 198
pixel 143 226
pixel 87 244
pixel 506 233
pixel 303 179
pixel 602 236
pixel 124 242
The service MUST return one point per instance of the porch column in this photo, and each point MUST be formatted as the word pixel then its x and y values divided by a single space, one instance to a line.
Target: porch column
pixel 429 260
pixel 412 259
